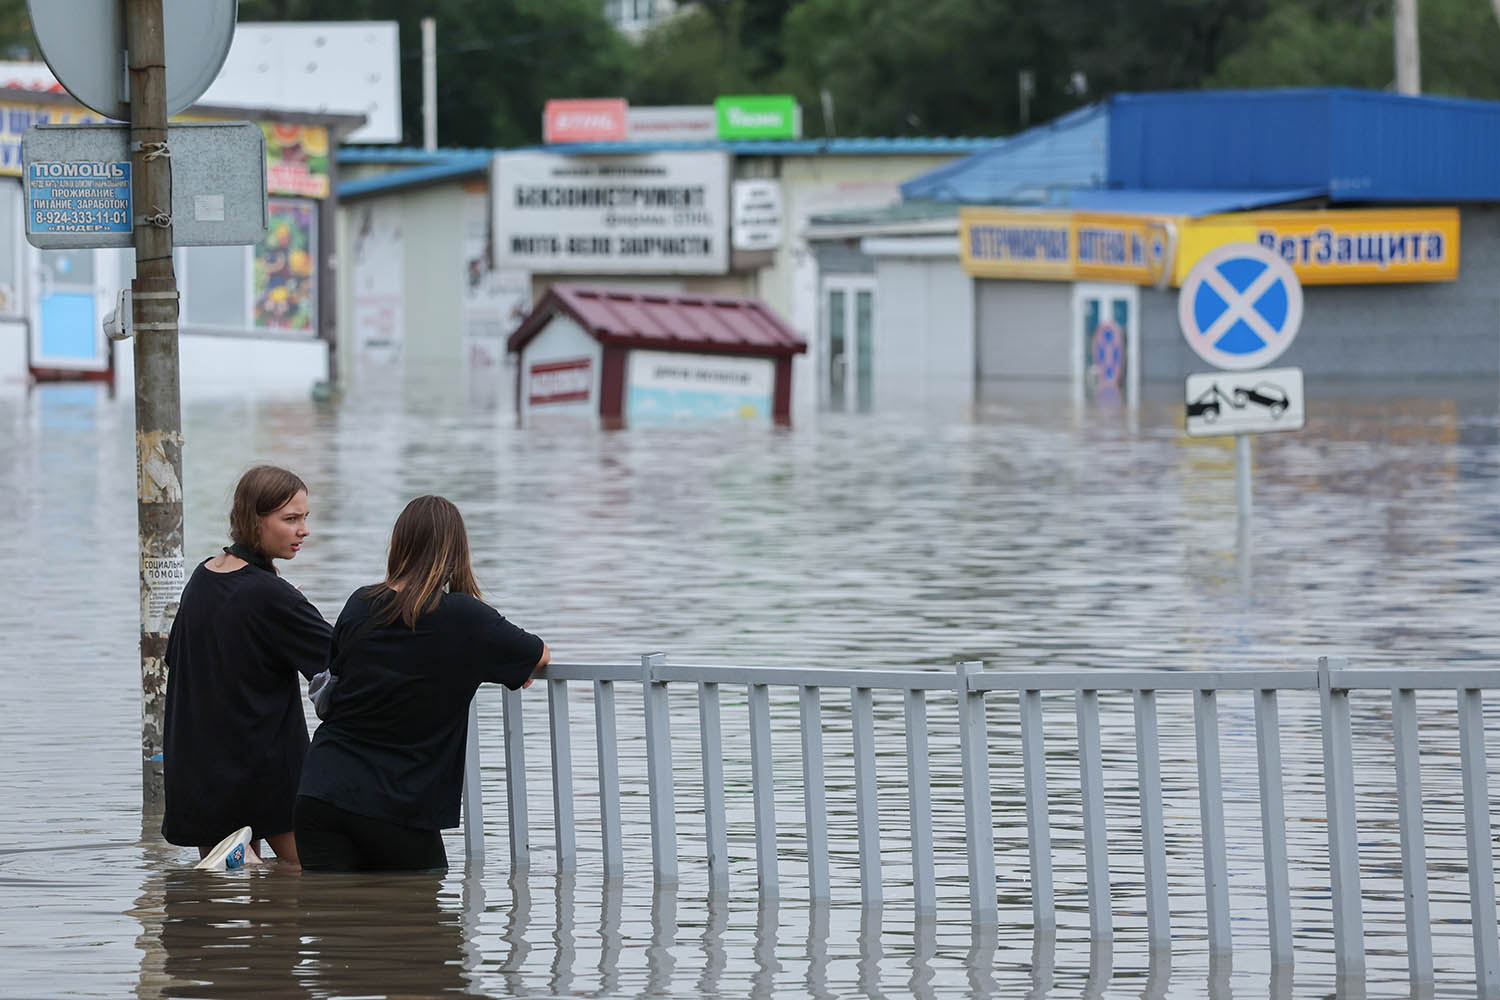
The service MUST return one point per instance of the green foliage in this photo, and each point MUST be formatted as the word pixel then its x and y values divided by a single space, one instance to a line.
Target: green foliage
pixel 891 67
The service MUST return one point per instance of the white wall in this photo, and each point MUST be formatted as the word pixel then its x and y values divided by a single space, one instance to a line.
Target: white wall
pixel 924 332
pixel 13 369
pixel 226 366
pixel 561 339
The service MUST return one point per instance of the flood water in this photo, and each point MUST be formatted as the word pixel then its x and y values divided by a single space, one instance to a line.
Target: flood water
pixel 1015 529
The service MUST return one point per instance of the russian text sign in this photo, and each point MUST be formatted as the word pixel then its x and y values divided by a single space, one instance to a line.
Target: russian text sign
pixel 78 197
pixel 759 117
pixel 77 176
pixel 658 213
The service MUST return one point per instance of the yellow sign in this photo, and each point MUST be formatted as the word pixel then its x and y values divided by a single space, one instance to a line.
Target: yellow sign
pixel 1338 247
pixel 1001 243
pixel 1063 246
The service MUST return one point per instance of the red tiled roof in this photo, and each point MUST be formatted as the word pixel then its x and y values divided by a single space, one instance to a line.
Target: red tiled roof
pixel 662 321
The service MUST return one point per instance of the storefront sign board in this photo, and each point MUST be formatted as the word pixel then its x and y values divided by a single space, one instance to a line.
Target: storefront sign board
pixel 759 117
pixel 657 213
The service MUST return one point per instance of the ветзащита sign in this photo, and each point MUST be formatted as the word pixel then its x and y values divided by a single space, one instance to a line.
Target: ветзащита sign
pixel 658 213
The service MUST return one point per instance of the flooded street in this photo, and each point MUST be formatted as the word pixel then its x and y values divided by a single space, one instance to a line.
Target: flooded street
pixel 1020 532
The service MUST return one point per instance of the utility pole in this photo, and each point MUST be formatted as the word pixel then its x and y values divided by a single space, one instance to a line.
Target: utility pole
pixel 1408 52
pixel 158 406
pixel 429 84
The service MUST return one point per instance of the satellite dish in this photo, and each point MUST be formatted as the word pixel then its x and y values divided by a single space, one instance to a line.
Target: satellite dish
pixel 83 42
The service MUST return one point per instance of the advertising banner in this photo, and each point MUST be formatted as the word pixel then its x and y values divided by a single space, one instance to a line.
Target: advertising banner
pixel 1339 247
pixel 285 294
pixel 759 117
pixel 601 120
pixel 1327 247
pixel 296 159
pixel 657 213
pixel 999 243
pixel 757 215
pixel 672 124
pixel 671 386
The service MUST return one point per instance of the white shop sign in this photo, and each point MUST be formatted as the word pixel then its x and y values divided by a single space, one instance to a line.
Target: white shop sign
pixel 658 213
pixel 757 215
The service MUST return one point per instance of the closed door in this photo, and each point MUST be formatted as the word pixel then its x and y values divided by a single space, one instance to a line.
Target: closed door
pixel 1106 345
pixel 849 344
pixel 66 334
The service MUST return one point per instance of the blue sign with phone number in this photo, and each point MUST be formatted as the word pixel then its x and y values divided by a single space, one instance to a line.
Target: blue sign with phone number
pixel 78 197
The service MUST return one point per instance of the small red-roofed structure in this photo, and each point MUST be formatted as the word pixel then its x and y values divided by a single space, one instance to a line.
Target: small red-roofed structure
pixel 625 356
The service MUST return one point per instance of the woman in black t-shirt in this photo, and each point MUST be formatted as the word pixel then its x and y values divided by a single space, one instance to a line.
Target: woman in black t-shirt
pixel 383 776
pixel 235 733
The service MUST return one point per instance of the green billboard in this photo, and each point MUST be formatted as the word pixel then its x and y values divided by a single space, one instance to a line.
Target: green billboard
pixel 759 117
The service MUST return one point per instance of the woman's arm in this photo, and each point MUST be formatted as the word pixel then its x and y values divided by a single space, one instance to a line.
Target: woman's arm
pixel 540 664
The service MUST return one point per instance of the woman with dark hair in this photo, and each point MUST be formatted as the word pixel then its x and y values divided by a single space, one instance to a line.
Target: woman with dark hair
pixel 383 775
pixel 235 732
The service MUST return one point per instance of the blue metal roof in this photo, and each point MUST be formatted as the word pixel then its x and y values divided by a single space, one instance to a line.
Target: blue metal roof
pixel 1189 203
pixel 1068 152
pixel 433 170
pixel 1361 145
pixel 900 146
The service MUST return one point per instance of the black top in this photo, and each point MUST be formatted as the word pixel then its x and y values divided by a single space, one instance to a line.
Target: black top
pixel 391 746
pixel 235 733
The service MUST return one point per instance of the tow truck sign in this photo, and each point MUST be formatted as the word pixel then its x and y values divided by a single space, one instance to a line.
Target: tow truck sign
pixel 1245 402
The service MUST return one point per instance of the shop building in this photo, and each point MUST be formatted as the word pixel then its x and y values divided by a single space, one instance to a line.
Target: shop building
pixel 1050 262
pixel 450 249
pixel 256 319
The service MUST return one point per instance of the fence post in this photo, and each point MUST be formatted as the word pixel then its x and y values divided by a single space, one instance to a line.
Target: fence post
pixel 814 799
pixel 1273 826
pixel 763 793
pixel 515 780
pixel 979 820
pixel 711 745
pixel 473 791
pixel 562 776
pixel 1153 829
pixel 1211 814
pixel 866 807
pixel 1477 839
pixel 1038 833
pixel 608 755
pixel 1343 838
pixel 919 803
pixel 1413 845
pixel 659 770
pixel 1095 837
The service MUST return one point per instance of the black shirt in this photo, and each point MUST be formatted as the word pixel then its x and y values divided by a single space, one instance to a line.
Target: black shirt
pixel 235 733
pixel 391 746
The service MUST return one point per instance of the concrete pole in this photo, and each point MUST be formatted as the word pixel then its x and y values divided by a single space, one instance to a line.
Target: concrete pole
pixel 429 84
pixel 158 408
pixel 1408 54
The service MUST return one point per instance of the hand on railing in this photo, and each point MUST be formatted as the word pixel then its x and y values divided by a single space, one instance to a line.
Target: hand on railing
pixel 540 665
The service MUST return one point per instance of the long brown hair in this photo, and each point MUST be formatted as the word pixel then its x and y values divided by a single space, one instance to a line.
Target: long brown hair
pixel 262 490
pixel 429 551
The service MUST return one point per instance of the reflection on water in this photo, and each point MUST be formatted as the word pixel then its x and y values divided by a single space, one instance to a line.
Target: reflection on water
pixel 1013 530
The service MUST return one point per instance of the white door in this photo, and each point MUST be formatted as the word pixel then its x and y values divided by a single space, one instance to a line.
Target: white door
pixel 847 356
pixel 65 332
pixel 1106 343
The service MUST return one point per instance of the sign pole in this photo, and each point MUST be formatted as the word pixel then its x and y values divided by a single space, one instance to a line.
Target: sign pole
pixel 1242 493
pixel 158 407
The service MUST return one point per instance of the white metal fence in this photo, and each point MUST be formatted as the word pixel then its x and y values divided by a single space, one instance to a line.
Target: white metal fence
pixel 1332 680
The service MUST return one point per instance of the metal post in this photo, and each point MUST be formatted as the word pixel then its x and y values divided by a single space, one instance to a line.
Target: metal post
pixel 1408 52
pixel 1243 496
pixel 814 797
pixel 979 819
pixel 1273 826
pixel 1413 844
pixel 659 770
pixel 473 796
pixel 1095 839
pixel 1478 843
pixel 429 84
pixel 516 811
pixel 562 776
pixel 1343 839
pixel 158 405
pixel 1211 813
pixel 1153 831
